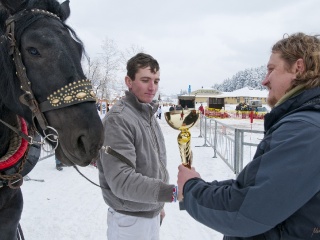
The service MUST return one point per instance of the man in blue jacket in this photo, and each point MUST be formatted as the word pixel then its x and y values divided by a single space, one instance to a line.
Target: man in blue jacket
pixel 277 195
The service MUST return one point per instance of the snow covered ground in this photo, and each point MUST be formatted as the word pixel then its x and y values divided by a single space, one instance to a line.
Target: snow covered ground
pixel 66 206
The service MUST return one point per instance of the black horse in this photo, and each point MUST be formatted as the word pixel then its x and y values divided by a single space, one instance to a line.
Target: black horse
pixel 43 90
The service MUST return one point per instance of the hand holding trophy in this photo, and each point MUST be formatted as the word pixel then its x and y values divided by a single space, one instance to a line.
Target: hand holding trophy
pixel 183 120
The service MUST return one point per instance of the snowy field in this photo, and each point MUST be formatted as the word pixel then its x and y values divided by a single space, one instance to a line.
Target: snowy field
pixel 67 207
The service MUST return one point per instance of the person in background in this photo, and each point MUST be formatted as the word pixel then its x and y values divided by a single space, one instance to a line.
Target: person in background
pixel 181 115
pixel 201 109
pixel 159 112
pixel 277 195
pixel 59 164
pixel 135 183
pixel 98 105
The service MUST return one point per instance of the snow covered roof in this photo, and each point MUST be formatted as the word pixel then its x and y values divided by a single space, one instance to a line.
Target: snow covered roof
pixel 243 92
pixel 246 92
pixel 205 91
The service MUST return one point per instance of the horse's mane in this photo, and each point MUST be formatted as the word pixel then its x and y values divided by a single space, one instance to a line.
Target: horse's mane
pixel 53 6
pixel 8 117
pixel 8 79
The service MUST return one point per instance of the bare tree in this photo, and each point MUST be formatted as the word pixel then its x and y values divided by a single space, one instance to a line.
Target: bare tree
pixel 129 53
pixel 125 56
pixel 109 65
pixel 92 70
pixel 104 71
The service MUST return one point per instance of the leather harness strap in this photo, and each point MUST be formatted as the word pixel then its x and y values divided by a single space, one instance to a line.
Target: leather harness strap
pixel 28 138
pixel 28 98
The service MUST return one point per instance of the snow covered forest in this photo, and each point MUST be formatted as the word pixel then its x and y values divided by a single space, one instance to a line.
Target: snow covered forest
pixel 248 78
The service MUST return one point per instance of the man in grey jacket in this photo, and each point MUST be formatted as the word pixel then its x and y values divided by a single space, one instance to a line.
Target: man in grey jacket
pixel 277 195
pixel 135 185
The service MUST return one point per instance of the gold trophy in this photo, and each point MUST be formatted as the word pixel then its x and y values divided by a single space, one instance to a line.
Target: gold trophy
pixel 183 120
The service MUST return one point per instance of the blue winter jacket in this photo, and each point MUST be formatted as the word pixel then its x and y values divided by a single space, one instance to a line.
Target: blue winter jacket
pixel 277 195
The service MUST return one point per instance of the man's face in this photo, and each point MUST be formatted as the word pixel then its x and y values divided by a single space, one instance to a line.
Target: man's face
pixel 278 79
pixel 145 85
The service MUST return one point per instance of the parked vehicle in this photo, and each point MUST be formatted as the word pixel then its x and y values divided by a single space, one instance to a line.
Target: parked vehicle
pixel 261 110
pixel 255 103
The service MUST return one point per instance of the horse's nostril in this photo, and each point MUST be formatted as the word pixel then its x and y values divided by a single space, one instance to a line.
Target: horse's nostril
pixel 86 147
pixel 81 144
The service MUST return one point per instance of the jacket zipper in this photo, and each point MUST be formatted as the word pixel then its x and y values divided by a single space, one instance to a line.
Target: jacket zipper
pixel 162 167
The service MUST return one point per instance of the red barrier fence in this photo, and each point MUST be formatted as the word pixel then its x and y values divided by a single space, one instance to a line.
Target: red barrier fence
pixel 217 113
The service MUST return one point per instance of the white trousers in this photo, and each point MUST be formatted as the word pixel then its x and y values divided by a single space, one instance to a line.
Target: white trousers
pixel 125 227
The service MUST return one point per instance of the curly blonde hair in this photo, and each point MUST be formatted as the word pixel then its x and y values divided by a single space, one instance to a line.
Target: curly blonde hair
pixel 299 45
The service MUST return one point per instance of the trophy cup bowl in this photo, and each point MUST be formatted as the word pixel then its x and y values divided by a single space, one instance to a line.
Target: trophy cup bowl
pixel 183 120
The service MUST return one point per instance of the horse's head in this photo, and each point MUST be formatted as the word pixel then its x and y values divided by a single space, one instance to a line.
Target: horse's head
pixel 40 68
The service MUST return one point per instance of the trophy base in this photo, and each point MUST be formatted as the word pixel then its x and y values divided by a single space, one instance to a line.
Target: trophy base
pixel 181 206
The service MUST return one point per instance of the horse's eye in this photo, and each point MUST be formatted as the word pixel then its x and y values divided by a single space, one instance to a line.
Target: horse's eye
pixel 33 51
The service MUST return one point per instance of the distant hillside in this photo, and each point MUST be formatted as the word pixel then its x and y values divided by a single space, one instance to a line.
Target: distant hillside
pixel 248 78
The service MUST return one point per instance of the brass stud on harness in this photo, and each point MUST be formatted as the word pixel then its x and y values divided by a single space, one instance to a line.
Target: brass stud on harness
pixel 55 101
pixel 81 95
pixel 68 98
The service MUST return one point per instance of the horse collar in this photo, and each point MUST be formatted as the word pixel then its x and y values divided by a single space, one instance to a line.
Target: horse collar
pixel 17 148
pixel 17 152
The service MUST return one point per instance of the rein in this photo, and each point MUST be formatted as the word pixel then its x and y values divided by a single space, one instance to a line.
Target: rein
pixel 21 134
pixel 108 150
pixel 76 168
pixel 30 139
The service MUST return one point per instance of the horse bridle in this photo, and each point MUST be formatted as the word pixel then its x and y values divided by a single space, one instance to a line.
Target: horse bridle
pixel 71 94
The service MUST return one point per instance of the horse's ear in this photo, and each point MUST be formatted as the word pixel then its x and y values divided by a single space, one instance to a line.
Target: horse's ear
pixel 2 7
pixel 65 10
pixel 13 6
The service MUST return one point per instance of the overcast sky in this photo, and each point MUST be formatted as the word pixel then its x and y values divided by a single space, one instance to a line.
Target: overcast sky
pixel 197 43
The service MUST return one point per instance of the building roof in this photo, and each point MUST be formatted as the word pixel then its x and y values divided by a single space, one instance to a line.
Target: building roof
pixel 246 92
pixel 205 92
pixel 243 92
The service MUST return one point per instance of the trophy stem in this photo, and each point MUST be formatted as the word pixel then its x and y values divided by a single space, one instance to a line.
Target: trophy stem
pixel 184 141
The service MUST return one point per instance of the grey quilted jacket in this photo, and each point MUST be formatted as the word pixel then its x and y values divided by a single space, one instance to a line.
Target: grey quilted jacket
pixel 140 188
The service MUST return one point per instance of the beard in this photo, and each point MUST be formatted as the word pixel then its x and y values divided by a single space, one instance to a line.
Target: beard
pixel 271 101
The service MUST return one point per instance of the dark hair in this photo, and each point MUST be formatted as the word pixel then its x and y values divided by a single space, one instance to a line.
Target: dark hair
pixel 299 45
pixel 141 60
